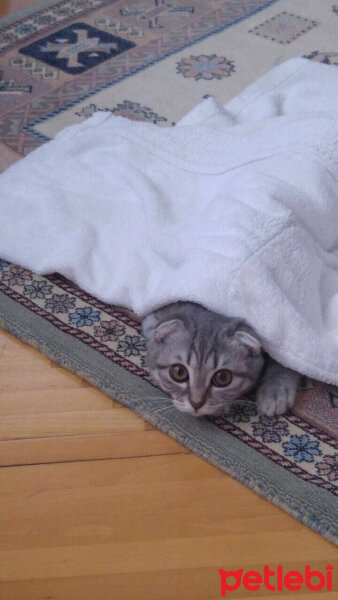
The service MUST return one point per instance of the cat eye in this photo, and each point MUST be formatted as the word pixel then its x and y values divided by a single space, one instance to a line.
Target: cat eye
pixel 179 373
pixel 221 378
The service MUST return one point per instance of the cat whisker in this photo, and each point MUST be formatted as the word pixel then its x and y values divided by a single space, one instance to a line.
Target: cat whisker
pixel 161 409
pixel 243 401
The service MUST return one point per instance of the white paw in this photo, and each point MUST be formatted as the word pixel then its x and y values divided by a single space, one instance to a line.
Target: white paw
pixel 274 399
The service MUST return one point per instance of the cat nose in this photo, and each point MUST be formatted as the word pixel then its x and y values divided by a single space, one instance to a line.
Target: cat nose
pixel 196 404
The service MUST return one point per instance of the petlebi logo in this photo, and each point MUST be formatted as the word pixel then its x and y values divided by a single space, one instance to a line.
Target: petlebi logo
pixel 277 580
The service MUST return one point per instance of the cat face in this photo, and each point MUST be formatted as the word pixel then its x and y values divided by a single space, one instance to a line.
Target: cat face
pixel 202 368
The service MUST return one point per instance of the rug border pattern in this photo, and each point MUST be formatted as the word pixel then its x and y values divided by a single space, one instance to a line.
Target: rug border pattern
pixel 73 331
pixel 277 458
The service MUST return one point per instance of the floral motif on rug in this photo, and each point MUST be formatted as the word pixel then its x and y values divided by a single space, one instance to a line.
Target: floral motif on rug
pixel 127 109
pixel 205 67
pixel 328 58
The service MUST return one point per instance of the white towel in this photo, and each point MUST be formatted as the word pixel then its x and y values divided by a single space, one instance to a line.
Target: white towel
pixel 235 208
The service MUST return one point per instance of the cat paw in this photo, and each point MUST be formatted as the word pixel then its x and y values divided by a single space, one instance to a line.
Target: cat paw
pixel 274 399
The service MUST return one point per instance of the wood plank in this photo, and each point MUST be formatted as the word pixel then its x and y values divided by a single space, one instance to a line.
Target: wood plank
pixel 146 556
pixel 9 6
pixel 119 444
pixel 162 496
pixel 141 516
pixel 176 584
pixel 7 156
pixel 52 401
pixel 36 376
pixel 25 426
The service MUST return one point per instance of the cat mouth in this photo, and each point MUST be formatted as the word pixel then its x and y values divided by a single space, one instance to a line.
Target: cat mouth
pixel 200 412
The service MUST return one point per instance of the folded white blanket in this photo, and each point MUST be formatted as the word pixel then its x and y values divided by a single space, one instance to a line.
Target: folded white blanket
pixel 235 208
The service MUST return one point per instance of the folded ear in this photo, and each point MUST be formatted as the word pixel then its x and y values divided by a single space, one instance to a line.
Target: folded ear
pixel 169 329
pixel 249 340
pixel 163 331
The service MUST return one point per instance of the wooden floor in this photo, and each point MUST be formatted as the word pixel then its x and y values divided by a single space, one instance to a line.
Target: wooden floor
pixel 96 504
pixel 9 6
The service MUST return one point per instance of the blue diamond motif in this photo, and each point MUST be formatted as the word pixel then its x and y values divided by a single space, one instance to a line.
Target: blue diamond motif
pixel 77 48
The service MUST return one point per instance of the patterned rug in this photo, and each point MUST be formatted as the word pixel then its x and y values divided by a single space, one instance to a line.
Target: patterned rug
pixel 153 60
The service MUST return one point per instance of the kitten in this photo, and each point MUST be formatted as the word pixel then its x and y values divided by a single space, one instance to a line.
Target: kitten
pixel 205 361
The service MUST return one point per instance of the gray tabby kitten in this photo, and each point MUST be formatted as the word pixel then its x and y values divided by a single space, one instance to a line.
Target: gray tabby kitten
pixel 205 361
